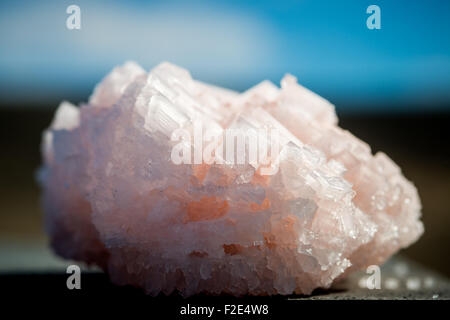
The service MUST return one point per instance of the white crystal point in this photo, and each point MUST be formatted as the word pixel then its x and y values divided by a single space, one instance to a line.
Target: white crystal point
pixel 113 195
pixel 113 85
pixel 67 117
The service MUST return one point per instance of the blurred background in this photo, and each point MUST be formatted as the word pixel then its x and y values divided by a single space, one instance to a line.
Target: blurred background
pixel 391 86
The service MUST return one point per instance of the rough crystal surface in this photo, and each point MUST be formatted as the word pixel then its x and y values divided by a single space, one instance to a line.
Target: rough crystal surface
pixel 113 197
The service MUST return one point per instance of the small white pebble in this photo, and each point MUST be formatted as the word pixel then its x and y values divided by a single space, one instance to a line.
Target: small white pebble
pixel 363 282
pixel 413 283
pixel 401 269
pixel 391 283
pixel 429 282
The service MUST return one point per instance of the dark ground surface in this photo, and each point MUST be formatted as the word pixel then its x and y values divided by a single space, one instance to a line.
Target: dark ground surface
pixel 400 279
pixel 419 143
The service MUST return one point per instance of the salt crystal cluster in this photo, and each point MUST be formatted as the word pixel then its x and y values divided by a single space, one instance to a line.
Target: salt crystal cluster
pixel 113 196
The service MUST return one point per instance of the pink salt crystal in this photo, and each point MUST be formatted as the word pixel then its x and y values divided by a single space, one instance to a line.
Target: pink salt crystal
pixel 113 197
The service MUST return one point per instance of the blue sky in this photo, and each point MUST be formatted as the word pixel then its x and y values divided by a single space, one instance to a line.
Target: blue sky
pixel 236 44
